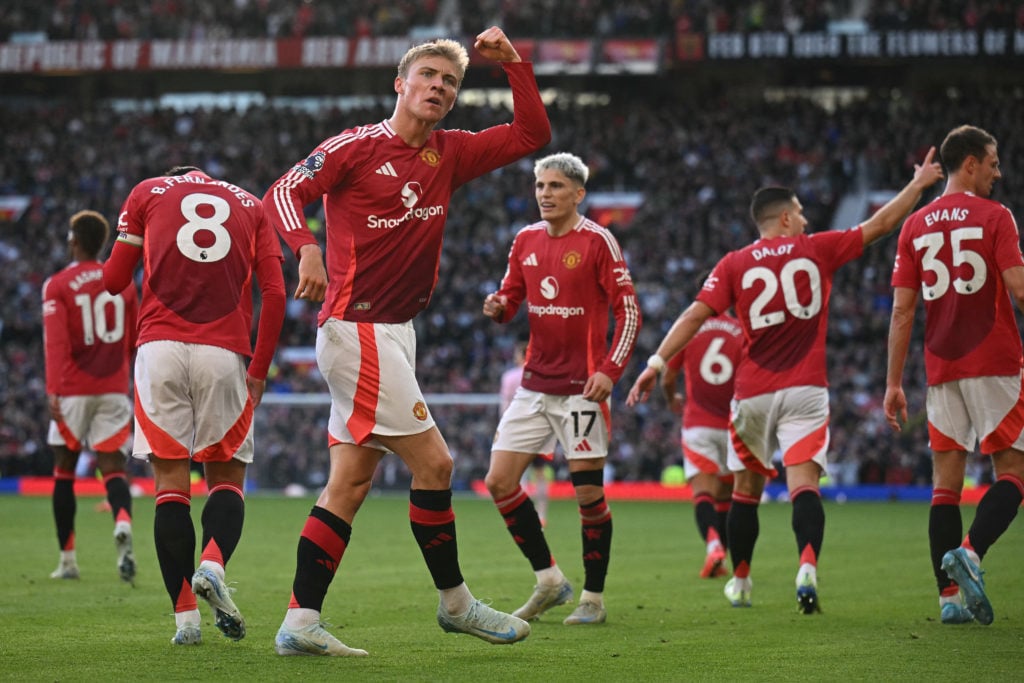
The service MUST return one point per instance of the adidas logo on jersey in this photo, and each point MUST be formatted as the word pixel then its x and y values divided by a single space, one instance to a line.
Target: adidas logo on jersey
pixel 388 170
pixel 530 260
pixel 583 447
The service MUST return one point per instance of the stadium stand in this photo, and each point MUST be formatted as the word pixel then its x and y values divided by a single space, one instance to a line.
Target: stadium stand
pixel 692 143
pixel 189 19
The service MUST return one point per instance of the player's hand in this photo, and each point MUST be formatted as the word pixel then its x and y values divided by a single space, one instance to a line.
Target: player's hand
pixel 642 387
pixel 256 388
pixel 928 171
pixel 53 402
pixel 312 274
pixel 598 387
pixel 494 306
pixel 675 403
pixel 895 405
pixel 495 45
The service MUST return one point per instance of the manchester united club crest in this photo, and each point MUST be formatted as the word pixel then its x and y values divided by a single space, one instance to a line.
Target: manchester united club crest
pixel 571 259
pixel 419 411
pixel 430 156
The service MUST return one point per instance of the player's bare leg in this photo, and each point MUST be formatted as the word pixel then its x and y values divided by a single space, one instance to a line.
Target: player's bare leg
pixel 322 544
pixel 433 525
pixel 523 523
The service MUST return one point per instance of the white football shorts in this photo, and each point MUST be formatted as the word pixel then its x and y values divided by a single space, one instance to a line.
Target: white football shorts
pixel 370 369
pixel 987 409
pixel 705 449
pixel 191 401
pixel 534 421
pixel 101 422
pixel 793 420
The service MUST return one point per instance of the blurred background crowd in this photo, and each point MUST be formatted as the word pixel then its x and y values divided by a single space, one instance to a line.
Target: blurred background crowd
pixel 694 155
pixel 197 19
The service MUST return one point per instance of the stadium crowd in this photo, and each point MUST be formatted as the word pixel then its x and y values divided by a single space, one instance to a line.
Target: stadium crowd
pixel 189 19
pixel 696 161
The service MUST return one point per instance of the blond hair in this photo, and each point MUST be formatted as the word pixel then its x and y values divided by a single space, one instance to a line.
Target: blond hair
pixel 450 49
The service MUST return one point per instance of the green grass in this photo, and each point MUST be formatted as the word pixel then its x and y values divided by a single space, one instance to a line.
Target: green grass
pixel 880 619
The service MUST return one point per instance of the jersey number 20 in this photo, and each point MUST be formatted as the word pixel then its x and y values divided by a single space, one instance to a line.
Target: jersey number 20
pixel 786 278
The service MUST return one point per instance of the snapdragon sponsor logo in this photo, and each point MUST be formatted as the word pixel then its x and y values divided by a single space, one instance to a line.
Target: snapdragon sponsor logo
pixel 558 311
pixel 549 288
pixel 410 196
pixel 375 222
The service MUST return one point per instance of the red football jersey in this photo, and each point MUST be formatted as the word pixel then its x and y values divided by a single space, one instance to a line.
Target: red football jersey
pixel 386 203
pixel 88 333
pixel 200 240
pixel 780 290
pixel 569 283
pixel 709 363
pixel 954 251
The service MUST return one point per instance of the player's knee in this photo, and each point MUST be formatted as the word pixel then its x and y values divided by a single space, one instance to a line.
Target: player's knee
pixel 443 468
pixel 432 473
pixel 588 484
pixel 500 486
pixel 1009 462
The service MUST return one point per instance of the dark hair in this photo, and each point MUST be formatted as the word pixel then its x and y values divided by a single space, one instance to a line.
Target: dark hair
pixel 962 142
pixel 181 170
pixel 768 199
pixel 91 230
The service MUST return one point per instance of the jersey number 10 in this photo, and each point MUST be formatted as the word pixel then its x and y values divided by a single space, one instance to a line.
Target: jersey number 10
pixel 94 318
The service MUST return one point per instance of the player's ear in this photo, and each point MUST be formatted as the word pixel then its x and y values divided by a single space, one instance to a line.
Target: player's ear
pixel 784 217
pixel 399 85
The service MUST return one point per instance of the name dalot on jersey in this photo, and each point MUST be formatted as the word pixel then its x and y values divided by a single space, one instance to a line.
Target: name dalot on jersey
pixel 764 252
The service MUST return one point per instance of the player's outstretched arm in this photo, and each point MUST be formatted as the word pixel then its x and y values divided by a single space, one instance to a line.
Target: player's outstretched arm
pixel 495 45
pixel 888 218
pixel 682 331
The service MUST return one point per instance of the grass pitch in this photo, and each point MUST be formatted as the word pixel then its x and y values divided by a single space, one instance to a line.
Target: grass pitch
pixel 880 619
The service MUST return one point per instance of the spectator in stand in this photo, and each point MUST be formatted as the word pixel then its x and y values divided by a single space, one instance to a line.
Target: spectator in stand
pixel 89 335
pixel 531 18
pixel 683 166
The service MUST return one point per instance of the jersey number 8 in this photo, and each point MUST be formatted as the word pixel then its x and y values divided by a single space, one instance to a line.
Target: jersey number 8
pixel 214 224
